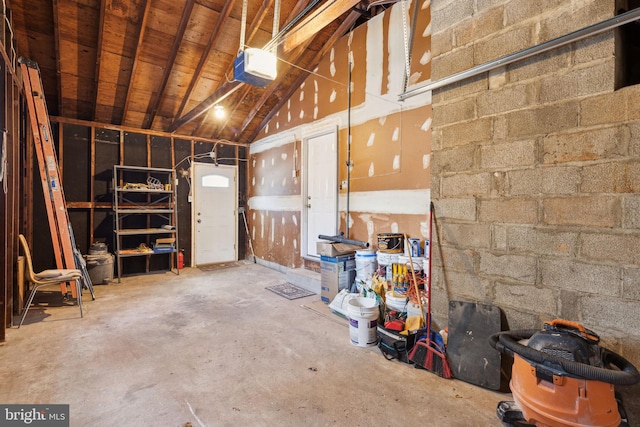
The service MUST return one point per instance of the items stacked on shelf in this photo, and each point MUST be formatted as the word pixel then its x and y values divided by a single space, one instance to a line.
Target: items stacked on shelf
pixel 144 207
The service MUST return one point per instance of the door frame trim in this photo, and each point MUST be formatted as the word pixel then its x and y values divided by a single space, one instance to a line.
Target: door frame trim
pixel 193 208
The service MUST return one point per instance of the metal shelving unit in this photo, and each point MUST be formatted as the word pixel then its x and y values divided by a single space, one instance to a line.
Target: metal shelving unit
pixel 145 210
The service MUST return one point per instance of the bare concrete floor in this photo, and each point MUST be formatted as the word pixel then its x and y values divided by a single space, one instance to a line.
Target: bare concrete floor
pixel 214 348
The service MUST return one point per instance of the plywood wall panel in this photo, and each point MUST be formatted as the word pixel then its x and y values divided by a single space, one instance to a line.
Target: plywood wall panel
pixel 400 164
pixel 276 236
pixel 271 172
pixel 366 226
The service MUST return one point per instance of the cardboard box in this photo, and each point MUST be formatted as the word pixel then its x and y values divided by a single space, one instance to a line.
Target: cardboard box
pixel 336 273
pixel 334 249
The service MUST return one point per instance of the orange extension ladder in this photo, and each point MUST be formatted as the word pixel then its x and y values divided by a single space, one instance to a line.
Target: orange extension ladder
pixel 66 253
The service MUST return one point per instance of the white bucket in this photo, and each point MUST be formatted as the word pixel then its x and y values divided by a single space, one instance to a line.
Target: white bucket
pixel 395 303
pixel 340 303
pixel 385 258
pixel 414 310
pixel 363 321
pixel 365 265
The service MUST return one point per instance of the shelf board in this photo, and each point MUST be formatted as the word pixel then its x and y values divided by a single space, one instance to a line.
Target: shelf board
pixel 134 231
pixel 127 211
pixel 124 253
pixel 143 190
pixel 89 205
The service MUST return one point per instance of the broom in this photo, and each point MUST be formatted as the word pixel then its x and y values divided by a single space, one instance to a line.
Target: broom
pixel 427 353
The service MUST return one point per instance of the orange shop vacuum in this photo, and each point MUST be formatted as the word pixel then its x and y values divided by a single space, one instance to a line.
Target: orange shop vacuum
pixel 561 376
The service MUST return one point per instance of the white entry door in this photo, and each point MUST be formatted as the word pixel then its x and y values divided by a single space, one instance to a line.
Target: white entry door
pixel 214 213
pixel 321 198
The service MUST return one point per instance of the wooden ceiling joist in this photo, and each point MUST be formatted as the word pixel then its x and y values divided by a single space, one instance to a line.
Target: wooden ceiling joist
pixel 231 110
pixel 141 31
pixel 99 56
pixel 220 94
pixel 56 38
pixel 155 100
pixel 213 39
pixel 316 21
pixel 132 129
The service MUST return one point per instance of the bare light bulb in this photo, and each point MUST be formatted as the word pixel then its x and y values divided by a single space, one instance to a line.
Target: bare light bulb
pixel 218 111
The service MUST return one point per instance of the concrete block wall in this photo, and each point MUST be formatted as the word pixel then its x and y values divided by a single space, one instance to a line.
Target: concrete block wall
pixel 536 169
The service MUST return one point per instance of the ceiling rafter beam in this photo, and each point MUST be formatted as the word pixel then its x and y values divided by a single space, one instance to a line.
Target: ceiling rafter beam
pixel 153 106
pixel 134 67
pixel 96 80
pixel 342 29
pixel 200 122
pixel 56 40
pixel 215 34
pixel 255 25
pixel 320 18
pixel 232 110
pixel 223 91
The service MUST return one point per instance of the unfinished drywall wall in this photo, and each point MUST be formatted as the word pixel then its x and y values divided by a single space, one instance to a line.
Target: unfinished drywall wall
pixel 536 169
pixel 388 188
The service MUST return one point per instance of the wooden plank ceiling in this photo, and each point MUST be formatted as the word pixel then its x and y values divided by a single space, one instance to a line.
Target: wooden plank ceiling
pixel 162 64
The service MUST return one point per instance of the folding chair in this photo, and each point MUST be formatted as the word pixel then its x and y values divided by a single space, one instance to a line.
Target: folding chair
pixel 46 278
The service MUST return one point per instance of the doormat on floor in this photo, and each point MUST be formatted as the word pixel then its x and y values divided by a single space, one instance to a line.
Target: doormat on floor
pixel 289 291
